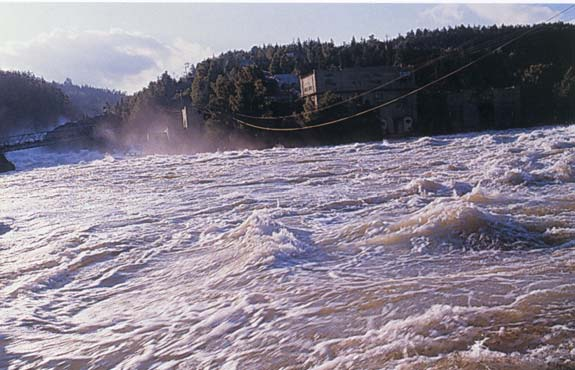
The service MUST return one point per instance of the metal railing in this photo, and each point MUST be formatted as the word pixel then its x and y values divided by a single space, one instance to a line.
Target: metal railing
pixel 44 138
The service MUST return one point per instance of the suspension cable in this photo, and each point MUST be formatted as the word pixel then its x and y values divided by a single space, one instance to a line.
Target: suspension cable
pixel 481 45
pixel 415 91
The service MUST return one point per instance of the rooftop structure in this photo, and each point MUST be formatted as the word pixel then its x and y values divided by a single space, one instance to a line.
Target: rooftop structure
pixel 286 80
pixel 288 87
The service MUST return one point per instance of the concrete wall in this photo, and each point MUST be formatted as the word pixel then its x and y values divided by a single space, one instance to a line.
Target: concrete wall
pixel 495 108
pixel 506 107
pixel 396 119
pixel 463 110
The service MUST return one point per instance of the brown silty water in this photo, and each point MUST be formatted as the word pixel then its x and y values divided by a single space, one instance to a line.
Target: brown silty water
pixel 436 253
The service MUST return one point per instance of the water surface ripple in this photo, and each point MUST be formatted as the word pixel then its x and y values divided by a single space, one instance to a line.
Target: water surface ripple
pixel 431 253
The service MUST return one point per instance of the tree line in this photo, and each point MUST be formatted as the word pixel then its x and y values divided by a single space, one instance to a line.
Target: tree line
pixel 29 103
pixel 541 65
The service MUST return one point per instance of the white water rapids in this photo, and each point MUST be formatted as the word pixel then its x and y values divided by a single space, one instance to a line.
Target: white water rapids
pixel 444 253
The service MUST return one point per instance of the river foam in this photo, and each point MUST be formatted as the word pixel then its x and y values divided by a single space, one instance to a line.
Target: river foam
pixel 432 253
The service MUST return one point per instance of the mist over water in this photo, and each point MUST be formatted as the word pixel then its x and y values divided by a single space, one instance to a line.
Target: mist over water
pixel 444 252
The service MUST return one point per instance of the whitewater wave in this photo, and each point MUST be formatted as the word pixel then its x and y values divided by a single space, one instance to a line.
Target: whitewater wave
pixel 449 252
pixel 446 337
pixel 42 157
pixel 459 224
pixel 260 241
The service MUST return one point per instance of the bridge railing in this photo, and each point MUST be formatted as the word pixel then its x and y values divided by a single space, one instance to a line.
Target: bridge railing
pixel 22 139
pixel 58 135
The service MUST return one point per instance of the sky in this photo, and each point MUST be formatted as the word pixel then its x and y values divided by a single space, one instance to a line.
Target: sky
pixel 123 46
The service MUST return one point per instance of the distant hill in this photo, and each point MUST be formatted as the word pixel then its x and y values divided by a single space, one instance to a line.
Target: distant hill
pixel 29 103
pixel 86 100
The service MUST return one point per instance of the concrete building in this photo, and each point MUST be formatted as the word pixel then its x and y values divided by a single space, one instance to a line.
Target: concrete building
pixel 395 119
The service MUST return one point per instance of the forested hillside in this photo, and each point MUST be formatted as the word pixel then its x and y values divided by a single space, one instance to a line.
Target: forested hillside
pixel 542 62
pixel 87 100
pixel 29 103
pixel 541 65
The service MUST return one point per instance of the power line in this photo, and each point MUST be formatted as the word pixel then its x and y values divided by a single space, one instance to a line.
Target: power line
pixel 415 91
pixel 473 49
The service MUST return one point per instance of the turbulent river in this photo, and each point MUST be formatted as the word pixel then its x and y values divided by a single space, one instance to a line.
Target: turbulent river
pixel 445 253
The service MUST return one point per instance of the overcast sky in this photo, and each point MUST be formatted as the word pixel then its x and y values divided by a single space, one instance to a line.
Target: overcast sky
pixel 124 46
